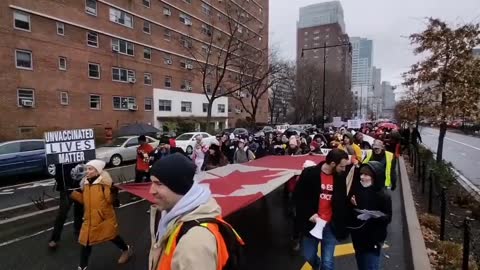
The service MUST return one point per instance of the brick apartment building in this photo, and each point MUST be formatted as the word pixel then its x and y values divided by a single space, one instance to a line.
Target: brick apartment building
pixel 108 63
pixel 319 25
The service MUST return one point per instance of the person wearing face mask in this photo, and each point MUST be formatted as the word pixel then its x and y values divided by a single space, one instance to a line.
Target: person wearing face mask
pixel 387 159
pixel 370 231
pixel 242 154
pixel 99 219
pixel 186 225
pixel 320 196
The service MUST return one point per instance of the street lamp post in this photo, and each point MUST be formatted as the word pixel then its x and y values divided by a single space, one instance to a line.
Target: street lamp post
pixel 324 47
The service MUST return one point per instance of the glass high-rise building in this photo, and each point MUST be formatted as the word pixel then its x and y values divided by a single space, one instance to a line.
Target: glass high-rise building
pixel 362 61
pixel 322 14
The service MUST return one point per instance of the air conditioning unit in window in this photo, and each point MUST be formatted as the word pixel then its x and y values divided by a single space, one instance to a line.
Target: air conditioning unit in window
pixel 131 80
pixel 115 47
pixel 238 111
pixel 167 12
pixel 132 107
pixel 188 23
pixel 188 66
pixel 168 61
pixel 27 103
pixel 188 88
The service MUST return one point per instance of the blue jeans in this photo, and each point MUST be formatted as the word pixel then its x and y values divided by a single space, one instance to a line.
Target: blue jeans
pixel 368 260
pixel 310 250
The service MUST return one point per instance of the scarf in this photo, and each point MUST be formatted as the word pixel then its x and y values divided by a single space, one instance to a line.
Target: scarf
pixel 196 196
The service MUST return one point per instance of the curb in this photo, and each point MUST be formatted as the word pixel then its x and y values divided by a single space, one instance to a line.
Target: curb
pixel 419 254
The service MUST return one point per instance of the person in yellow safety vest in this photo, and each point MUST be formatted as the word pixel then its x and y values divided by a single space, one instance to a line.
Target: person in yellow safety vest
pixel 387 159
pixel 179 201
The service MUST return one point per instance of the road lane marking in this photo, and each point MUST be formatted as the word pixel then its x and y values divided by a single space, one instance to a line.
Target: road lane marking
pixel 340 250
pixel 24 237
pixel 24 205
pixel 476 148
pixel 6 193
pixel 8 220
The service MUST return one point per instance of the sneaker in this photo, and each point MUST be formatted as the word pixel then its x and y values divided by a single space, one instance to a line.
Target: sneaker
pixel 125 256
pixel 52 244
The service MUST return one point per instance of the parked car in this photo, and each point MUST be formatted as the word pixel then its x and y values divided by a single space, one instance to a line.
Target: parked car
pixel 23 157
pixel 122 149
pixel 186 141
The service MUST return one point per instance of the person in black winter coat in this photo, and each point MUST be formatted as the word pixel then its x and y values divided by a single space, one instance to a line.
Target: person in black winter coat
pixel 67 178
pixel 321 196
pixel 369 232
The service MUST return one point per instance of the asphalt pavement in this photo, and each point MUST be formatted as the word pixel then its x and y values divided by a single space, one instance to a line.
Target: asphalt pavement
pixel 462 151
pixel 23 194
pixel 264 226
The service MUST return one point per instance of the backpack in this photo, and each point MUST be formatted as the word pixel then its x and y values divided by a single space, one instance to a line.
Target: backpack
pixel 235 246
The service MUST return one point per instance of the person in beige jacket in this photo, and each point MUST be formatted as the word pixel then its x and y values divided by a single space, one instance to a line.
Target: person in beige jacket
pixel 179 199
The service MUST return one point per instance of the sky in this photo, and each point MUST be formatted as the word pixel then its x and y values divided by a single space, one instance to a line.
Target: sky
pixel 387 22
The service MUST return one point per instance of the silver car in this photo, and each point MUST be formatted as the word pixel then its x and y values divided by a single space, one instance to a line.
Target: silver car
pixel 122 149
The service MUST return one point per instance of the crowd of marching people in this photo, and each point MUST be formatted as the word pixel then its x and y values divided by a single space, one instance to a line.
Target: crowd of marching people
pixel 348 194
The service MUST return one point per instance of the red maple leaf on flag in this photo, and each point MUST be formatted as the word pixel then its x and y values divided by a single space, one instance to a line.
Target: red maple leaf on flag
pixel 234 181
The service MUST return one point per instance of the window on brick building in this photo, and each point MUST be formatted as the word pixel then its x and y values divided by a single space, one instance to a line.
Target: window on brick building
pixel 146 3
pixel 146 27
pixel 95 102
pixel 168 82
pixel 21 20
pixel 94 70
pixel 164 105
pixel 92 39
pixel 167 59
pixel 121 103
pixel 167 34
pixel 206 9
pixel 60 29
pixel 148 104
pixel 123 75
pixel 91 7
pixel 121 17
pixel 62 63
pixel 186 85
pixel 147 78
pixel 205 107
pixel 23 59
pixel 147 53
pixel 64 98
pixel 123 47
pixel 25 96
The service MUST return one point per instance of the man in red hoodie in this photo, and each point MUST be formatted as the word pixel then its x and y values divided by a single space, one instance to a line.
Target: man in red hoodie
pixel 143 160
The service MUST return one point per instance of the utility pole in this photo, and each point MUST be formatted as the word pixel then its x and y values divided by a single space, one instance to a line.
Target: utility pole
pixel 324 82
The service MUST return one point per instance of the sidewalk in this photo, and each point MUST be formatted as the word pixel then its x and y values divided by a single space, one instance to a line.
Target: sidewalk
pixel 262 225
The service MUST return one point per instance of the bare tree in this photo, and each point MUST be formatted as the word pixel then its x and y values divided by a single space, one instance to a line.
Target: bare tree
pixel 258 79
pixel 227 42
pixel 282 90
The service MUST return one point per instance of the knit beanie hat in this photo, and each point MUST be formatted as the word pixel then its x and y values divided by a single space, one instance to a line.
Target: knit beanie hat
pixel 175 171
pixel 378 144
pixel 99 165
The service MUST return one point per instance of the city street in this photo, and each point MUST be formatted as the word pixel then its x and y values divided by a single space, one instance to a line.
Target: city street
pixel 461 150
pixel 263 226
